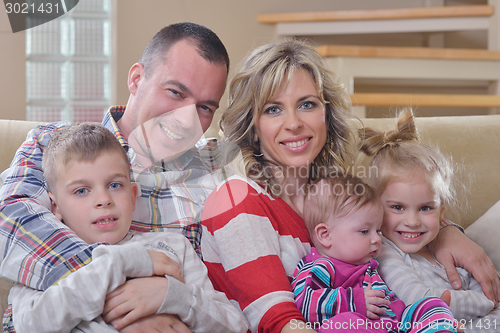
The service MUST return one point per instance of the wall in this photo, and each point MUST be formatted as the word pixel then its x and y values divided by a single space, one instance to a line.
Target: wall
pixel 235 21
pixel 12 71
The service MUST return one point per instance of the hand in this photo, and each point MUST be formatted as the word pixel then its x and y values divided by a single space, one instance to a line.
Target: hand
pixel 163 265
pixel 446 297
pixel 164 323
pixel 136 298
pixel 453 249
pixel 373 298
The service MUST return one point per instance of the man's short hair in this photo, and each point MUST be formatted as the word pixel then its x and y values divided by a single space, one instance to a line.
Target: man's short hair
pixel 79 142
pixel 209 46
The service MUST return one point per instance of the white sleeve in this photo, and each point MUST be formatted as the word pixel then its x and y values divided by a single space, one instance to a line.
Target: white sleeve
pixel 196 302
pixel 80 295
pixel 410 287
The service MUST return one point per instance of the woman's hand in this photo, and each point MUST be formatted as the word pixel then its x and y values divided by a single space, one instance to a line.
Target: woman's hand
pixel 136 298
pixel 373 299
pixel 453 248
pixel 164 323
pixel 163 265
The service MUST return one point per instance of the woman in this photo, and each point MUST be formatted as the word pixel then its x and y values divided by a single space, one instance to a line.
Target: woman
pixel 287 118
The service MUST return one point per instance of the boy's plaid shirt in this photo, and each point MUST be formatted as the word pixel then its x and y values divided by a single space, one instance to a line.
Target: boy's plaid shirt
pixel 37 249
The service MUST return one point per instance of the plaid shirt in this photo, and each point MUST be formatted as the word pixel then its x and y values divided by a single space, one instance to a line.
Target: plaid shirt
pixel 37 249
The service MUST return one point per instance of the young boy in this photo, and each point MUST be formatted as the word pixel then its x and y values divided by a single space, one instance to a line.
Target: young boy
pixel 88 176
pixel 337 287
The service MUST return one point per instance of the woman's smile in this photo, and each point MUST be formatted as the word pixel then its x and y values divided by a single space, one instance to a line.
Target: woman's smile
pixel 291 128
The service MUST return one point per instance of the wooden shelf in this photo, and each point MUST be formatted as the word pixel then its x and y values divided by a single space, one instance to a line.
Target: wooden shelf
pixel 406 52
pixel 416 100
pixel 378 14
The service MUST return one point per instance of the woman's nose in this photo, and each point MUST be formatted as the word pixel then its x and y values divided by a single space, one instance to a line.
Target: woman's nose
pixel 292 121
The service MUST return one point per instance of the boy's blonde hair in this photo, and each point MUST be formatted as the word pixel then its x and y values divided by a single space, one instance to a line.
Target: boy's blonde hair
pixel 78 142
pixel 336 197
pixel 398 154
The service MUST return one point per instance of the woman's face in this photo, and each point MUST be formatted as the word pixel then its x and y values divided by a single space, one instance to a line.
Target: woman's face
pixel 291 127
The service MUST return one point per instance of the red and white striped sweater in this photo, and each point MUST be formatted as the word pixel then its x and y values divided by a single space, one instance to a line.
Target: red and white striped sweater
pixel 251 245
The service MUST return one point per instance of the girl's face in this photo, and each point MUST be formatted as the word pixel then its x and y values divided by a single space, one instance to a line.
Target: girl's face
pixel 291 127
pixel 411 213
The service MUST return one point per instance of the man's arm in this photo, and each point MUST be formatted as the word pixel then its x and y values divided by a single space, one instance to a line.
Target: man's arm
pixel 34 245
pixel 81 295
pixel 195 302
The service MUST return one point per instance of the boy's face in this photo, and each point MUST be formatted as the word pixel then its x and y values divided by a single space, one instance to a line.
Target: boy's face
pixel 355 237
pixel 96 199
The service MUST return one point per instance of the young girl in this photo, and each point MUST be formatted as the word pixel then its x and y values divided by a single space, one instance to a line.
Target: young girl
pixel 415 184
pixel 337 287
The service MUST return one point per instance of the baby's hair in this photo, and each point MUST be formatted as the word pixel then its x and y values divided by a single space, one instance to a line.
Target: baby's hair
pixel 399 153
pixel 79 142
pixel 336 197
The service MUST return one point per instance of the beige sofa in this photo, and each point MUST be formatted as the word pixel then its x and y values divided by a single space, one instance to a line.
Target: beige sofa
pixel 473 142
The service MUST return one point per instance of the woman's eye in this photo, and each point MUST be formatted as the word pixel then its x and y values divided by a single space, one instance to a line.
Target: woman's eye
pixel 272 110
pixel 308 105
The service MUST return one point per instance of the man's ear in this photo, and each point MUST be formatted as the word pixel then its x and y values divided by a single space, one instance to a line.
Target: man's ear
pixel 53 207
pixel 135 75
pixel 322 232
pixel 135 192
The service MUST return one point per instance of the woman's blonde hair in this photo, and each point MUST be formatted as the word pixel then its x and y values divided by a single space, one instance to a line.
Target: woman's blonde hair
pixel 265 70
pixel 399 153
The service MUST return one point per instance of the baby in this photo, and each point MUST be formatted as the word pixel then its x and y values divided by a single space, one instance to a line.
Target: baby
pixel 338 285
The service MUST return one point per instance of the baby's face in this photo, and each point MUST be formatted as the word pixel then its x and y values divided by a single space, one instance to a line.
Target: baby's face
pixel 96 199
pixel 411 214
pixel 355 238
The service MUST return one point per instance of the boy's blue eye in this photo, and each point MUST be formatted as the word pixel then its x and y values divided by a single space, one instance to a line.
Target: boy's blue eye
pixel 81 191
pixel 115 186
pixel 364 232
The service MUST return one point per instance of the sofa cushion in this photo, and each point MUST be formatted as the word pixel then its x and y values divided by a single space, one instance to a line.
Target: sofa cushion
pixel 485 232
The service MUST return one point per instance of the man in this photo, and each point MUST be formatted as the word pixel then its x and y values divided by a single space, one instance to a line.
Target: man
pixel 175 89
